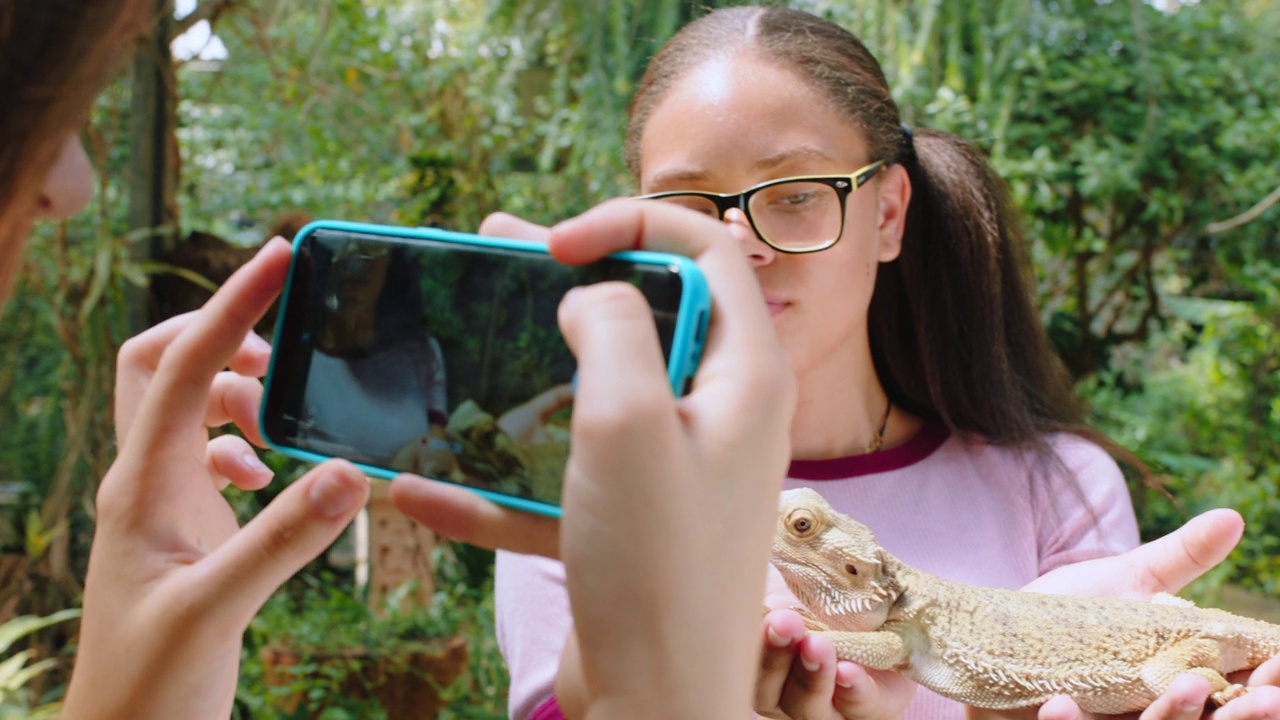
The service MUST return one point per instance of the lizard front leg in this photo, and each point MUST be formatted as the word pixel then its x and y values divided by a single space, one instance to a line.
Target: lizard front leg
pixel 1198 657
pixel 812 622
pixel 880 649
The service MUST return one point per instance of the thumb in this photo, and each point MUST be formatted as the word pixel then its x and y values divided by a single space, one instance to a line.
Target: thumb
pixel 297 526
pixel 1173 561
pixel 610 329
pixel 502 224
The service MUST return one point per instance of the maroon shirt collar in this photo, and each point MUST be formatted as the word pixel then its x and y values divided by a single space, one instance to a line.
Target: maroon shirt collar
pixel 924 444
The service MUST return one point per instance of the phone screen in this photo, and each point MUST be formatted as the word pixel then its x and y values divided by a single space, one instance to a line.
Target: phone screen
pixel 437 358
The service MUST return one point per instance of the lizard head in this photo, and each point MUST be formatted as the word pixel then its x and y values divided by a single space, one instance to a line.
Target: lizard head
pixel 832 563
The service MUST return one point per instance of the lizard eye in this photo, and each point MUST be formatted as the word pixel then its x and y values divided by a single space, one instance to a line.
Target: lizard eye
pixel 802 523
pixel 851 569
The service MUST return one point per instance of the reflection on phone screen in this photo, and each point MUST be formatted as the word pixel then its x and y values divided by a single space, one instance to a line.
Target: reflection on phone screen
pixel 436 358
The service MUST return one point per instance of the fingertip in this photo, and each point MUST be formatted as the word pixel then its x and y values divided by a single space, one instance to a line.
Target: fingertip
pixel 610 331
pixel 1059 708
pixel 494 222
pixel 785 624
pixel 1218 532
pixel 774 639
pixel 816 652
pixel 502 224
pixel 233 461
pixel 609 227
pixel 459 513
pixel 338 490
pixel 446 509
pixel 1226 520
pixel 1189 690
pixel 256 475
pixel 849 674
pixel 253 358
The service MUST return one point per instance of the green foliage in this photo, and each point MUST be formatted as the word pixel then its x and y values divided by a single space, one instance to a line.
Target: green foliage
pixel 318 615
pixel 16 673
pixel 1125 136
pixel 1204 407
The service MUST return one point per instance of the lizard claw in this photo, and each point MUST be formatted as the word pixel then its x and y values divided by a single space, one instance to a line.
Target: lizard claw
pixel 811 621
pixel 1227 694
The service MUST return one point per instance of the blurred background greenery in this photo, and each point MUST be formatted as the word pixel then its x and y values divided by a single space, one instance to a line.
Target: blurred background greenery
pixel 1142 141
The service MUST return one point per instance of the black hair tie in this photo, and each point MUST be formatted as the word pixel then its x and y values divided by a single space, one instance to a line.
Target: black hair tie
pixel 908 143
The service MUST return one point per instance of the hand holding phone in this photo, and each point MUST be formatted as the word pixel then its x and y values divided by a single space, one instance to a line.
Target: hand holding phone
pixel 669 501
pixel 438 353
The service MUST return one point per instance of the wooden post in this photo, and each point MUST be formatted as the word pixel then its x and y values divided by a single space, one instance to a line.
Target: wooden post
pixel 152 154
pixel 397 551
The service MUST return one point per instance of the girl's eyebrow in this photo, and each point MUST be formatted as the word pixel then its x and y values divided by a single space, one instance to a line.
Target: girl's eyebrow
pixel 799 152
pixel 677 176
pixel 680 176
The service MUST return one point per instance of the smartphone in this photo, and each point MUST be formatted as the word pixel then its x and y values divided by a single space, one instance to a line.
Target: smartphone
pixel 438 353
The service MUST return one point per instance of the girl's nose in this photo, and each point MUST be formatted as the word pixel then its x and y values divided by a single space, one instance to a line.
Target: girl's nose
pixel 758 251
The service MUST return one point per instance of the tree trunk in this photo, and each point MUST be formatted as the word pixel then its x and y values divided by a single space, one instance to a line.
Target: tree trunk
pixel 153 155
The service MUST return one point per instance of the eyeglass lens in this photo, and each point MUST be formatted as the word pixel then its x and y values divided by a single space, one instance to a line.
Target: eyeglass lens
pixel 792 216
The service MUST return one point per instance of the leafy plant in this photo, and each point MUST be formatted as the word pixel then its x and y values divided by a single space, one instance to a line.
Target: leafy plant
pixel 317 615
pixel 16 673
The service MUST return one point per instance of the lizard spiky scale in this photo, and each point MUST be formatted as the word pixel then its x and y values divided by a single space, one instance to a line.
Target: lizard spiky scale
pixel 996 648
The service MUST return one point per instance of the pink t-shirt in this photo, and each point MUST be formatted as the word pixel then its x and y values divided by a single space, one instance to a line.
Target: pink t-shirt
pixel 947 504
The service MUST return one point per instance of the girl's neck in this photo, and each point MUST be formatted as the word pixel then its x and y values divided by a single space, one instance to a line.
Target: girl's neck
pixel 839 411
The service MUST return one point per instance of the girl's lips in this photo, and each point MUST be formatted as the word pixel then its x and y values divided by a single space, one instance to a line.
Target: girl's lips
pixel 775 304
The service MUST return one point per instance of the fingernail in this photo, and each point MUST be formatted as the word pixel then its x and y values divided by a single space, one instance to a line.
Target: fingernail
pixel 335 494
pixel 564 226
pixel 252 463
pixel 775 639
pixel 571 297
pixel 812 667
pixel 255 342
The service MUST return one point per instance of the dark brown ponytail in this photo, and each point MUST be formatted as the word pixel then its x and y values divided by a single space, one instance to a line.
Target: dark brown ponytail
pixel 953 330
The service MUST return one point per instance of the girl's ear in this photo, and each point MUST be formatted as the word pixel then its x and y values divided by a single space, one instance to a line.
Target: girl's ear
pixel 895 195
pixel 68 187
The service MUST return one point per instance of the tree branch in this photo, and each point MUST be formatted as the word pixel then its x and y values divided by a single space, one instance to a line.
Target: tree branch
pixel 1247 216
pixel 209 10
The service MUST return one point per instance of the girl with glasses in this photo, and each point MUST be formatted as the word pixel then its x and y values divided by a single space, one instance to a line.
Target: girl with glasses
pixel 931 407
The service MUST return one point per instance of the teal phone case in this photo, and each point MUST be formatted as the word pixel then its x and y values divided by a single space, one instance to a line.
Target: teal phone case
pixel 686 344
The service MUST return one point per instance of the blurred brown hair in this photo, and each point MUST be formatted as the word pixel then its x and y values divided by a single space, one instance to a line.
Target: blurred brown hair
pixel 55 57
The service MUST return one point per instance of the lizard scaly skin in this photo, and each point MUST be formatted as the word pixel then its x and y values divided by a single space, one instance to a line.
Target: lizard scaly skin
pixel 995 648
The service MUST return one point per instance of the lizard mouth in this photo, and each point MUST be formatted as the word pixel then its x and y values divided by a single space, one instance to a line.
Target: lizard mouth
pixel 829 595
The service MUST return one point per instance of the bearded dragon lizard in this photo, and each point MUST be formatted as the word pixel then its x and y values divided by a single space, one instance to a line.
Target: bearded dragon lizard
pixel 994 648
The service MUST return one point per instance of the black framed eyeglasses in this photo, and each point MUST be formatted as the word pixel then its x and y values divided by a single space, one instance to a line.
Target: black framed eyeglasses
pixel 800 214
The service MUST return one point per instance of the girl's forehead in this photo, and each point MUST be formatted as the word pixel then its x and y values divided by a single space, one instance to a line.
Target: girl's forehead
pixel 744 110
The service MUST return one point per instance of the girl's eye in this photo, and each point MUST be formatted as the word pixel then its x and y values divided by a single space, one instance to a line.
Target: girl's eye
pixel 797 198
